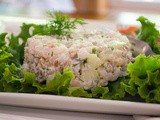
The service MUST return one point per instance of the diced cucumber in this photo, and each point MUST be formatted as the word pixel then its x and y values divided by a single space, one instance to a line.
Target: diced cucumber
pixel 90 74
pixel 94 61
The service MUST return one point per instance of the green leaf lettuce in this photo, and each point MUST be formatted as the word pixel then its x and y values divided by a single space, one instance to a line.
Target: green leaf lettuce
pixel 149 34
pixel 145 78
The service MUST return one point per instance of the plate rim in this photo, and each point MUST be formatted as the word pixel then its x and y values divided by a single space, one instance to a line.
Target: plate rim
pixel 57 102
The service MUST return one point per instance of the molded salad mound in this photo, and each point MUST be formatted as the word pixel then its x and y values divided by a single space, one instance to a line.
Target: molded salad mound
pixel 94 57
pixel 55 59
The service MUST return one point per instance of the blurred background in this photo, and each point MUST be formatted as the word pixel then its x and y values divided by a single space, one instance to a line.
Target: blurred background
pixel 117 11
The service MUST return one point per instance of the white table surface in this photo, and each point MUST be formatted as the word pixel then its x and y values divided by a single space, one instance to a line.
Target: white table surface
pixel 21 113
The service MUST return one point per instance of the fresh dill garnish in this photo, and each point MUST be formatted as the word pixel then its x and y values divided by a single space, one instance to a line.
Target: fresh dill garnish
pixel 62 25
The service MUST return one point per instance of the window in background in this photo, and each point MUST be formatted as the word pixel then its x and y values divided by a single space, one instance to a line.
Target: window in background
pixel 148 6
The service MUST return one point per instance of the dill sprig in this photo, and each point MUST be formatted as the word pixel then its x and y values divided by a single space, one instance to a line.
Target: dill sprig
pixel 61 24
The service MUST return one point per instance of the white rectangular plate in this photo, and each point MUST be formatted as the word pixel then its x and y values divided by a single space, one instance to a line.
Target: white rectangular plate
pixel 78 104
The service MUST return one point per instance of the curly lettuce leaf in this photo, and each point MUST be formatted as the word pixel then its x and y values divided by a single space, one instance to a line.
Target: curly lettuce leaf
pixel 144 78
pixel 115 90
pixel 11 79
pixel 28 83
pixel 17 43
pixel 142 64
pixel 100 92
pixel 79 92
pixel 2 39
pixel 59 85
pixel 149 34
pixel 4 57
pixel 17 80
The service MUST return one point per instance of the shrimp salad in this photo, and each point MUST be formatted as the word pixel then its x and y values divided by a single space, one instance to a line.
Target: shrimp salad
pixel 95 57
